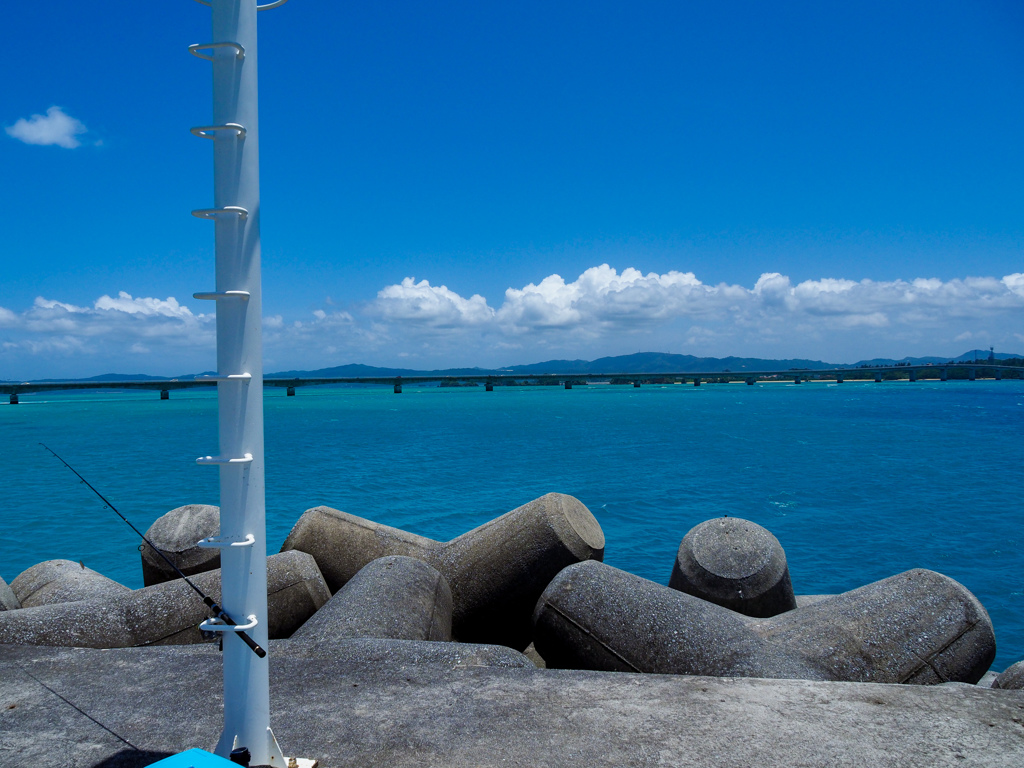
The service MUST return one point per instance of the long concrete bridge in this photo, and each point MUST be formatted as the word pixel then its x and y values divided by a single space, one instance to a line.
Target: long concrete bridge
pixel 970 371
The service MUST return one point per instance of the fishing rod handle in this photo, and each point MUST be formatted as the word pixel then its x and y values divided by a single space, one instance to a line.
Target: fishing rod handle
pixel 252 644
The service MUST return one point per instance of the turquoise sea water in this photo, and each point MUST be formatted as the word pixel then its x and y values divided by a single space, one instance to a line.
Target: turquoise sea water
pixel 857 480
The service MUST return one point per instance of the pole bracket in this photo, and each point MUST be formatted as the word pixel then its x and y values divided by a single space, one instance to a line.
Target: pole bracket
pixel 216 625
pixel 216 295
pixel 195 49
pixel 243 377
pixel 213 213
pixel 247 459
pixel 223 542
pixel 210 131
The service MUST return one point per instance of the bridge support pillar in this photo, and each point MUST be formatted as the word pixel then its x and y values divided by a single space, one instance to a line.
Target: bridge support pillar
pixel 398 389
pixel 971 374
pixel 839 378
pixel 797 380
pixel 14 399
pixel 696 381
pixel 488 387
pixel 290 392
pixel 750 381
pixel 636 384
pixel 165 395
pixel 943 375
pixel 878 378
pixel 913 375
pixel 568 385
pixel 999 374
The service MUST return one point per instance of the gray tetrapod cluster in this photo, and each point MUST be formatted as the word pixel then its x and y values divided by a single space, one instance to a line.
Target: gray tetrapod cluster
pixel 164 614
pixel 916 627
pixel 496 572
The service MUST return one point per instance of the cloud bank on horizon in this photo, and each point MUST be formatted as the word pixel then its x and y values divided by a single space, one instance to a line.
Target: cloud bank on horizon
pixel 602 312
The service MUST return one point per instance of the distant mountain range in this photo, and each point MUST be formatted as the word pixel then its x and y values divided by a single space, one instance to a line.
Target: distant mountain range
pixel 641 362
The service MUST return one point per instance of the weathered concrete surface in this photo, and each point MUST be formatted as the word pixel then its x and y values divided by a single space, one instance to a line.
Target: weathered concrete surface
pixel 8 600
pixel 62 581
pixel 736 564
pixel 175 534
pixel 987 679
pixel 496 572
pixel 395 597
pixel 917 627
pixel 167 613
pixel 78 708
pixel 1011 679
pixel 804 600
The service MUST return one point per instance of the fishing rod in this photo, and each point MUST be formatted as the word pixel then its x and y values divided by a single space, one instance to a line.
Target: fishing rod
pixel 217 610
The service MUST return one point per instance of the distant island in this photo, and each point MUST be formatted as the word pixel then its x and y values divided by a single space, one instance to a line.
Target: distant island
pixel 641 362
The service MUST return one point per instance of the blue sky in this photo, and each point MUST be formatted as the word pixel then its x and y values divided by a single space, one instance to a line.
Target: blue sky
pixel 495 183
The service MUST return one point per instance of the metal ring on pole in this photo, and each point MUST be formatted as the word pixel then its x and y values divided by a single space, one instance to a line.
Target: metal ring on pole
pixel 240 460
pixel 223 542
pixel 216 295
pixel 216 625
pixel 210 131
pixel 196 47
pixel 211 213
pixel 246 377
pixel 266 7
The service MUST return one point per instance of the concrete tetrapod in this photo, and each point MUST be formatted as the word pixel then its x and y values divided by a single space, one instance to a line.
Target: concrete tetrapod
pixel 496 572
pixel 8 600
pixel 1011 678
pixel 168 613
pixel 393 597
pixel 916 627
pixel 736 564
pixel 62 581
pixel 176 534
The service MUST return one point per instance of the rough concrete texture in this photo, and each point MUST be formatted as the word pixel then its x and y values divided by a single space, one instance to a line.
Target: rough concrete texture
pixel 403 654
pixel 167 613
pixel 530 652
pixel 62 581
pixel 496 572
pixel 988 679
pixel 804 600
pixel 1011 679
pixel 916 627
pixel 176 534
pixel 391 597
pixel 80 708
pixel 736 564
pixel 8 600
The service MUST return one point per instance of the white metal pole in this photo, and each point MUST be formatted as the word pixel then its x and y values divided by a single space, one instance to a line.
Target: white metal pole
pixel 236 214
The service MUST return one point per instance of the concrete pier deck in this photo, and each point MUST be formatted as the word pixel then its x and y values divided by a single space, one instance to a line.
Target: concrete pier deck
pixel 396 703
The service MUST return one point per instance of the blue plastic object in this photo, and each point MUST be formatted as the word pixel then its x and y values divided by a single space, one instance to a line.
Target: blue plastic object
pixel 193 758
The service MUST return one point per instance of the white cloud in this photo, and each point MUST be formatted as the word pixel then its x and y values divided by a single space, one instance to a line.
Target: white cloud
pixel 55 127
pixel 161 330
pixel 434 306
pixel 124 302
pixel 601 312
pixel 606 307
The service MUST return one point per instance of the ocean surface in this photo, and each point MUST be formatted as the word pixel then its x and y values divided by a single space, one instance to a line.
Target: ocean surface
pixel 858 481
